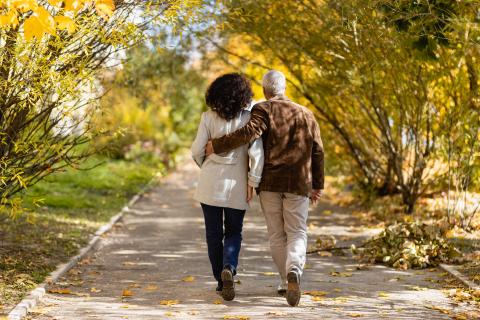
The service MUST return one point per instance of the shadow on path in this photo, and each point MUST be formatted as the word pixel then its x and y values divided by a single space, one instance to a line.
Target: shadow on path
pixel 160 244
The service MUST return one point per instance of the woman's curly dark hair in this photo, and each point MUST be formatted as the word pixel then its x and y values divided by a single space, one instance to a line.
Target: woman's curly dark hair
pixel 229 94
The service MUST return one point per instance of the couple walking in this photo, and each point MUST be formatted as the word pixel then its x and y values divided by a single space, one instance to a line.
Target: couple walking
pixel 274 147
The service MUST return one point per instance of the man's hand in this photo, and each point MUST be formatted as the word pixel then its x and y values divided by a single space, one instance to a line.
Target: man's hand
pixel 209 148
pixel 249 194
pixel 315 195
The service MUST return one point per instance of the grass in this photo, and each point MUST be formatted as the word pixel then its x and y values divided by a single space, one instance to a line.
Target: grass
pixel 73 204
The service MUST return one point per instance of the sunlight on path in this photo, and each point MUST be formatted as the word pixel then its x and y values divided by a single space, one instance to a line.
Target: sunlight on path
pixel 154 265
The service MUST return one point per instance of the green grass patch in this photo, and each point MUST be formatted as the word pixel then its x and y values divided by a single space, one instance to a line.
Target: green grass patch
pixel 73 204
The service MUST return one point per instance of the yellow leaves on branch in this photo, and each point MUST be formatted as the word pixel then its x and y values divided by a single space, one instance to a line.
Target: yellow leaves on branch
pixel 38 20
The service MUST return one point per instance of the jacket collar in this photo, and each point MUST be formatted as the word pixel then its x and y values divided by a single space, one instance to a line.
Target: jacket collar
pixel 280 97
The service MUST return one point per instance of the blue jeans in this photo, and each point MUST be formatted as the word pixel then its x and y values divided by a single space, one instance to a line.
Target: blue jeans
pixel 223 247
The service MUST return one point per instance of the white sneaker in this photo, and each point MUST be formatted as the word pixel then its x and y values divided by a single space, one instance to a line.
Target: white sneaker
pixel 282 288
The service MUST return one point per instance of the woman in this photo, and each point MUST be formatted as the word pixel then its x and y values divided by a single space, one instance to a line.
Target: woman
pixel 224 188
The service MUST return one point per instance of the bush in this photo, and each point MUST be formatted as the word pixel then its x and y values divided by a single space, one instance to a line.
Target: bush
pixel 409 245
pixel 153 106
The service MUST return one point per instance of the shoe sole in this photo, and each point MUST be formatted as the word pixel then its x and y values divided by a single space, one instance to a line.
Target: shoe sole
pixel 293 289
pixel 282 292
pixel 228 290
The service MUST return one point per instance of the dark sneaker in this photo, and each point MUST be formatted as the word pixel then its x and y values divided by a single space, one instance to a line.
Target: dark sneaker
pixel 228 286
pixel 293 288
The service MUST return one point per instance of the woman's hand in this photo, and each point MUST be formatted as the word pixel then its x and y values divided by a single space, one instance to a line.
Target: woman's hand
pixel 249 194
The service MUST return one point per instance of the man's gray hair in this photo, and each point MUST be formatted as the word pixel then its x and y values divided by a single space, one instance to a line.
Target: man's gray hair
pixel 274 82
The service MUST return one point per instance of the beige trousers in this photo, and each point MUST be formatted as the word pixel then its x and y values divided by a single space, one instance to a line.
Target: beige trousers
pixel 286 217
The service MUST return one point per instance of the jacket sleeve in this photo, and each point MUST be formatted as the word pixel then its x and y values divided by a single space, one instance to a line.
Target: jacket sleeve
pixel 318 170
pixel 252 130
pixel 255 153
pixel 201 140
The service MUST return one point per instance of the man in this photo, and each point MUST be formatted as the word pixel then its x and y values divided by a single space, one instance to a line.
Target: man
pixel 293 171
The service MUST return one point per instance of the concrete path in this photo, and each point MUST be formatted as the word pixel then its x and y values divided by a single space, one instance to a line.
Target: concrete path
pixel 157 259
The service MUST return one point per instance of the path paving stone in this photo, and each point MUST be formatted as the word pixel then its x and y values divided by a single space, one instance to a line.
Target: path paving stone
pixel 157 259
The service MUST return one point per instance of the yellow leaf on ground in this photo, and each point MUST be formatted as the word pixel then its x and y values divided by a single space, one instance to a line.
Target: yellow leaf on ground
pixel 127 293
pixel 60 290
pixel 218 301
pixel 327 212
pixel 169 302
pixel 95 290
pixel 340 274
pixel 188 279
pixel 383 295
pixel 324 254
pixel 269 273
pixel 315 293
pixel 355 315
pixel 236 317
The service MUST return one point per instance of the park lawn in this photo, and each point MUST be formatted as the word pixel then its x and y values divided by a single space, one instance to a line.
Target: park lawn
pixel 61 214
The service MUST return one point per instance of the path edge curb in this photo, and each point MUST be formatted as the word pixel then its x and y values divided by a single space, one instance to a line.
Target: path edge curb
pixel 456 274
pixel 35 295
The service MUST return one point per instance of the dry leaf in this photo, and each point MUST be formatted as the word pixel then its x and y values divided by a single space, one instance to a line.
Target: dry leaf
pixel 188 279
pixel 60 290
pixel 95 290
pixel 169 302
pixel 127 293
pixel 383 295
pixel 218 301
pixel 270 274
pixel 325 254
pixel 315 293
pixel 236 317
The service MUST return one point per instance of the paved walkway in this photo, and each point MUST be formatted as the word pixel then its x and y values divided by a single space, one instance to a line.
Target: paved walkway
pixel 157 259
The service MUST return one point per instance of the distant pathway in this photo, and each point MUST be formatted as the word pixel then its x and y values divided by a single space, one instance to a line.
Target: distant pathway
pixel 157 258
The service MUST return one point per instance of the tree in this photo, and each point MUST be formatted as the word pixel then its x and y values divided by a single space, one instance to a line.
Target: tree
pixel 349 62
pixel 51 53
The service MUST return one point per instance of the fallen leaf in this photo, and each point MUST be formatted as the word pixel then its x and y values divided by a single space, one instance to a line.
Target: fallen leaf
pixel 382 294
pixel 355 315
pixel 325 254
pixel 169 302
pixel 60 290
pixel 188 279
pixel 127 293
pixel 327 212
pixel 340 274
pixel 95 290
pixel 270 274
pixel 218 301
pixel 315 293
pixel 236 317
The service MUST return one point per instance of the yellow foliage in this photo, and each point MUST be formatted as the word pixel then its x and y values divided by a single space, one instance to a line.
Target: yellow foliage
pixel 42 23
